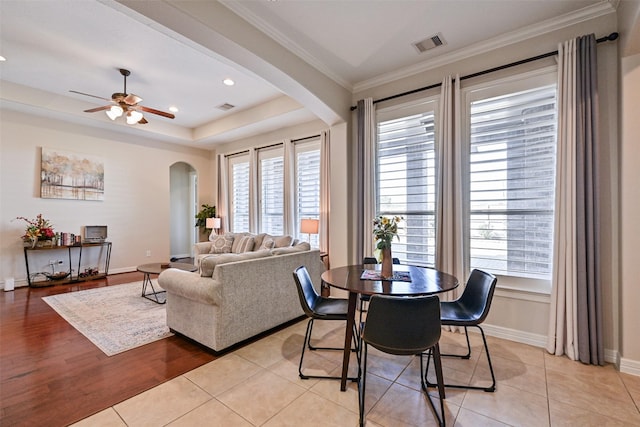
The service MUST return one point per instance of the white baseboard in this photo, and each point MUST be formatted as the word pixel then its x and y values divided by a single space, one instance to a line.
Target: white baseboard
pixel 629 366
pixel 535 340
pixel 610 356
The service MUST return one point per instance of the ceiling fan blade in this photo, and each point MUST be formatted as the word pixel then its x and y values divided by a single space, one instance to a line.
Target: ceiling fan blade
pixel 94 110
pixel 132 99
pixel 87 94
pixel 158 112
pixel 142 121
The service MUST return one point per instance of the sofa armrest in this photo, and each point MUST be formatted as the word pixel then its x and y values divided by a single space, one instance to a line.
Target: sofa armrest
pixel 190 285
pixel 202 248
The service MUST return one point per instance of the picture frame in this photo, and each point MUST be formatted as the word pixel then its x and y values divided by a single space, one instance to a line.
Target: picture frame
pixel 69 175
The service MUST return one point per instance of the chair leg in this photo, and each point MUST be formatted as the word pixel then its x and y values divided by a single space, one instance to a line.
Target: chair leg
pixel 435 351
pixel 356 334
pixel 307 344
pixel 362 384
pixel 307 337
pixel 489 389
pixel 462 356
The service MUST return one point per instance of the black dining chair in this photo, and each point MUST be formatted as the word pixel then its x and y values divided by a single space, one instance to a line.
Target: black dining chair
pixel 405 327
pixel 317 307
pixel 471 309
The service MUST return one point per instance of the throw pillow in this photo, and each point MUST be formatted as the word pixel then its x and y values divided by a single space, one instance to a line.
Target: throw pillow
pixel 283 241
pixel 245 245
pixel 268 243
pixel 221 244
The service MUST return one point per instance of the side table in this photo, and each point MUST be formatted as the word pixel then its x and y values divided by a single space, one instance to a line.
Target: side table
pixel 157 268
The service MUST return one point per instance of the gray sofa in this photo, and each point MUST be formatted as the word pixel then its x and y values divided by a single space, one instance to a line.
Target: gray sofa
pixel 237 296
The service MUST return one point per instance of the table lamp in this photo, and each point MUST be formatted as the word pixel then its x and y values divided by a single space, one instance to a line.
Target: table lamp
pixel 309 226
pixel 213 224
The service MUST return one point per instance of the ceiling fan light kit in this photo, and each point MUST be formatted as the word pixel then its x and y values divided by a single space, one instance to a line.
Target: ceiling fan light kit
pixel 133 117
pixel 125 102
pixel 114 112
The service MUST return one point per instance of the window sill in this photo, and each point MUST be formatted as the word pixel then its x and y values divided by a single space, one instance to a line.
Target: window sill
pixel 524 289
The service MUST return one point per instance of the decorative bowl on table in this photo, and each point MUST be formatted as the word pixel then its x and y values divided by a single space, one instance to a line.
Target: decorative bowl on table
pixel 59 275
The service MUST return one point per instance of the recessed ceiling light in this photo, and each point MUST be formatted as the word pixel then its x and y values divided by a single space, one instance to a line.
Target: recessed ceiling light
pixel 173 109
pixel 2 58
pixel 228 82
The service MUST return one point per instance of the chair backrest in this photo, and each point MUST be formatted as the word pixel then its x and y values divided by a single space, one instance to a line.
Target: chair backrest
pixel 477 295
pixel 306 291
pixel 402 325
pixel 372 260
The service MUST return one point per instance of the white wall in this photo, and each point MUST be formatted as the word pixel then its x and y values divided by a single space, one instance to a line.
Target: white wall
pixel 136 201
pixel 630 214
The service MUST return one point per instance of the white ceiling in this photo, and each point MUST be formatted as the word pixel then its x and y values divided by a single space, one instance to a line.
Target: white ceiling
pixel 55 46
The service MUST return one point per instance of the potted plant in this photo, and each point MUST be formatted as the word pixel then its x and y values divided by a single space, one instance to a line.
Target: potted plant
pixel 206 211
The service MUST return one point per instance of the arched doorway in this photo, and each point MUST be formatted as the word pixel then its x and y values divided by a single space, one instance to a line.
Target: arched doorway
pixel 183 200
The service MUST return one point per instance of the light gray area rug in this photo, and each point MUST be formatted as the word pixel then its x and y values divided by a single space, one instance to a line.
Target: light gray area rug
pixel 115 318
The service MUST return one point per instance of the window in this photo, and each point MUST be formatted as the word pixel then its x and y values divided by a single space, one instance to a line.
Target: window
pixel 262 209
pixel 511 179
pixel 239 193
pixel 405 171
pixel 271 191
pixel 307 185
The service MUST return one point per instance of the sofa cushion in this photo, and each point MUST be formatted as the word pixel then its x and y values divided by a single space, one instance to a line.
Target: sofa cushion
pixel 221 244
pixel 267 243
pixel 208 264
pixel 245 245
pixel 300 247
pixel 257 240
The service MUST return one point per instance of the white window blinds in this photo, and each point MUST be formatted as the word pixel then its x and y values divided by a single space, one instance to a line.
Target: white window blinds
pixel 272 192
pixel 308 185
pixel 406 182
pixel 239 170
pixel 512 170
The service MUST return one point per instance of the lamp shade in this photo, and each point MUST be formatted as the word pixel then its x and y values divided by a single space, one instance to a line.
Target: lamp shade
pixel 212 223
pixel 309 226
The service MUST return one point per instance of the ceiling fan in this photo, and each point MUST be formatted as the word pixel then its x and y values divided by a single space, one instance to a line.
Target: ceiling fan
pixel 123 103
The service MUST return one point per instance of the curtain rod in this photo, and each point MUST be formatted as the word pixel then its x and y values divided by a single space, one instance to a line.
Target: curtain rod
pixel 610 37
pixel 305 138
pixel 272 145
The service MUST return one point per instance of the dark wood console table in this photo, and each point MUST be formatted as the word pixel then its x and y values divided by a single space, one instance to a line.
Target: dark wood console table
pixel 72 251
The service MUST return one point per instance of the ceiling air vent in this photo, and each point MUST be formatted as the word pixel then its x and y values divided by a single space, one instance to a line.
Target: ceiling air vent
pixel 429 43
pixel 226 106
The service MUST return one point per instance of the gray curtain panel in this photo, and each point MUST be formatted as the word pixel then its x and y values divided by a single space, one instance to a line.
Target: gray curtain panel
pixel 589 286
pixel 360 143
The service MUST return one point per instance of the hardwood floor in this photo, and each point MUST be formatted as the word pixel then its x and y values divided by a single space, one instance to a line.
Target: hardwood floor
pixel 50 374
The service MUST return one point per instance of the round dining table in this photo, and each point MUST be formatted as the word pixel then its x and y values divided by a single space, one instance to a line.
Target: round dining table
pixel 365 279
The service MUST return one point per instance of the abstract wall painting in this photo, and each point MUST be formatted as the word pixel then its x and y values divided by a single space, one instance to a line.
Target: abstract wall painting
pixel 68 175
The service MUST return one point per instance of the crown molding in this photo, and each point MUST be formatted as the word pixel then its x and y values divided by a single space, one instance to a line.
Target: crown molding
pixel 590 12
pixel 525 33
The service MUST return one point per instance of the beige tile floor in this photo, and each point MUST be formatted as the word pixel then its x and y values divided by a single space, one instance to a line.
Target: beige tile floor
pixel 258 385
